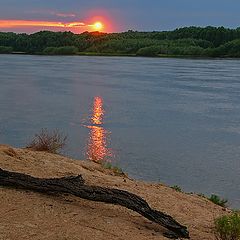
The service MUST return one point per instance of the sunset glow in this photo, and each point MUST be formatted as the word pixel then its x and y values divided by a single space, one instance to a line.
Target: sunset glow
pixel 8 24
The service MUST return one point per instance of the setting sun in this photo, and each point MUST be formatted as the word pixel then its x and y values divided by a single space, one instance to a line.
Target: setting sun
pixel 98 26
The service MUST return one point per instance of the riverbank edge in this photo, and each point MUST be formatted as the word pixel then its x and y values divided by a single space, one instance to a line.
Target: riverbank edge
pixel 192 210
pixel 90 54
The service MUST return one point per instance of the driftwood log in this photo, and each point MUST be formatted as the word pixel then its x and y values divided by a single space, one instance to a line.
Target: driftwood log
pixel 75 185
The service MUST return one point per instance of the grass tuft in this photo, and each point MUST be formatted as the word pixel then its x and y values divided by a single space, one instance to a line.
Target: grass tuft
pixel 115 169
pixel 228 227
pixel 217 200
pixel 52 142
pixel 177 188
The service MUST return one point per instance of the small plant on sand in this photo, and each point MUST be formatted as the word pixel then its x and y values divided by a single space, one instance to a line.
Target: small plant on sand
pixel 202 195
pixel 228 227
pixel 47 141
pixel 177 188
pixel 217 200
pixel 115 169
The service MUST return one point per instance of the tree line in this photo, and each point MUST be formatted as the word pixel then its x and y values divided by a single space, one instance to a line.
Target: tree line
pixel 187 41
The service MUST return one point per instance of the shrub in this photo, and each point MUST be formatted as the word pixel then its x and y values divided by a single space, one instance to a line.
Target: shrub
pixel 151 51
pixel 115 169
pixel 49 50
pixel 228 227
pixel 51 142
pixel 217 200
pixel 193 51
pixel 177 188
pixel 68 50
pixel 4 49
pixel 231 49
pixel 201 195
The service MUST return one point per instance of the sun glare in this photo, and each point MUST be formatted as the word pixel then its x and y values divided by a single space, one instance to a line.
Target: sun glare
pixel 98 26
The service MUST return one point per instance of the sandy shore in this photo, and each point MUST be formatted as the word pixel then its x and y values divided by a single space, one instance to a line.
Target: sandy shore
pixel 27 215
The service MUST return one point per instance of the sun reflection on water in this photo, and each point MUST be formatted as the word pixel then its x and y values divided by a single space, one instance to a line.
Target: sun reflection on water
pixel 97 149
pixel 98 111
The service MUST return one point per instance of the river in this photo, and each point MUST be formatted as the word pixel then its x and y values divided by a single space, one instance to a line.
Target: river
pixel 175 121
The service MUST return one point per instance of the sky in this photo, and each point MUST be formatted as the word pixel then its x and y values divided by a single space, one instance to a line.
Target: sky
pixel 115 15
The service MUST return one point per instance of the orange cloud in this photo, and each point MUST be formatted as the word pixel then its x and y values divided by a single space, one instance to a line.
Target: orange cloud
pixel 30 24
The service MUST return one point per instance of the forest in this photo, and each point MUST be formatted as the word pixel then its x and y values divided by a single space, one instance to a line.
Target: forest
pixel 188 41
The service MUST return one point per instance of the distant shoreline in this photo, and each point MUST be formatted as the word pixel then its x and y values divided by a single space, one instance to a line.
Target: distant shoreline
pixel 91 54
pixel 186 42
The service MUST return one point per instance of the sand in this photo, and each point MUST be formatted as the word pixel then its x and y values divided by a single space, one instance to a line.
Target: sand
pixel 28 215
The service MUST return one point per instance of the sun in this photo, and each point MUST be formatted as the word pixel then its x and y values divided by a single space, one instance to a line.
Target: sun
pixel 98 26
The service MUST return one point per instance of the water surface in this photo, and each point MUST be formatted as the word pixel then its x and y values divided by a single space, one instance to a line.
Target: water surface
pixel 175 121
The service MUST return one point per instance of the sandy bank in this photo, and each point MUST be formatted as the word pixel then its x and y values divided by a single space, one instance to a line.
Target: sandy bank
pixel 28 215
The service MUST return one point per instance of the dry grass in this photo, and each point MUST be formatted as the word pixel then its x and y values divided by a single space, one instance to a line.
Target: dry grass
pixel 48 141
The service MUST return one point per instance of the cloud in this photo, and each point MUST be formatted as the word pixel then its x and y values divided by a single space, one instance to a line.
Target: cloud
pixel 62 14
pixel 53 13
pixel 31 23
